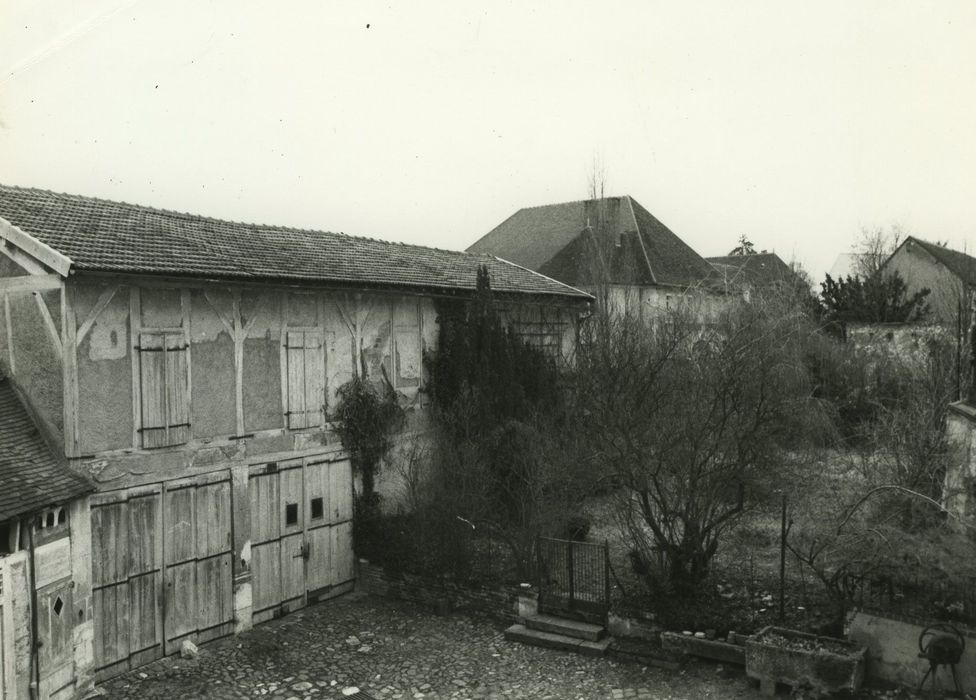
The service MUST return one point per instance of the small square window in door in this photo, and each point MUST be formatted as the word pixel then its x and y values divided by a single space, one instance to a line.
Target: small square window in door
pixel 318 510
pixel 291 514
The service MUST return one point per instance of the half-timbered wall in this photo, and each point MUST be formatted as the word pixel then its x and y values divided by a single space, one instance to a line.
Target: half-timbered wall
pixel 30 326
pixel 170 379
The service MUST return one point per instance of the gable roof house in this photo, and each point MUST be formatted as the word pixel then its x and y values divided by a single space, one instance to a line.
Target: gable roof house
pixel 611 246
pixel 950 275
pixel 752 272
pixel 188 367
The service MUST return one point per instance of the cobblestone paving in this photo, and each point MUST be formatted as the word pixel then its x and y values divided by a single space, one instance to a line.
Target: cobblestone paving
pixel 391 649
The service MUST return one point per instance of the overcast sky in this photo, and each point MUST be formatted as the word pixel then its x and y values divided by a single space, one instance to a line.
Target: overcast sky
pixel 794 123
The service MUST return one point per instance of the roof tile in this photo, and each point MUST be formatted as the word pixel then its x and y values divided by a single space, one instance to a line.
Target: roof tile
pixel 31 477
pixel 105 236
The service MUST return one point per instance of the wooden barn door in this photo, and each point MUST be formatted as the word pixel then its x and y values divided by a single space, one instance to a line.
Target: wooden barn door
pixel 161 569
pixel 301 530
pixel 127 548
pixel 199 597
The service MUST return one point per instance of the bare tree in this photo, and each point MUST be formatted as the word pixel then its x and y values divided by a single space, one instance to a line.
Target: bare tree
pixel 874 247
pixel 692 424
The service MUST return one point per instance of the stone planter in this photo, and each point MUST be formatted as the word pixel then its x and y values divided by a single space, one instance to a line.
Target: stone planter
pixel 828 665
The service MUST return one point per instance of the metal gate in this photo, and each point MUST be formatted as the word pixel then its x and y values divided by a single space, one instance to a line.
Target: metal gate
pixel 574 579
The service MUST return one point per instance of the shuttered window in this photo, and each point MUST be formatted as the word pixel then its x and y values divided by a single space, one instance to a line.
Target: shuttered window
pixel 306 379
pixel 164 389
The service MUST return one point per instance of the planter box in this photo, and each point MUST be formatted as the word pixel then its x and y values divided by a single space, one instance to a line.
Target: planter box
pixel 777 655
pixel 713 649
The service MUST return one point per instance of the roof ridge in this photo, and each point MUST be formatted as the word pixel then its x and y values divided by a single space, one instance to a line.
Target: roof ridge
pixel 215 219
pixel 640 238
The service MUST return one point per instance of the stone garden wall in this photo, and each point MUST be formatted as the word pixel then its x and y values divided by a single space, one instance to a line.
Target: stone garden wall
pixel 500 602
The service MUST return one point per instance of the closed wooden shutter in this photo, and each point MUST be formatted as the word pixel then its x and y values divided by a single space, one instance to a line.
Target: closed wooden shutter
pixel 164 387
pixel 306 379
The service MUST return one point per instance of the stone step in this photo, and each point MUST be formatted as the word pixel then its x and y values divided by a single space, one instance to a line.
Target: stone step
pixel 567 628
pixel 521 633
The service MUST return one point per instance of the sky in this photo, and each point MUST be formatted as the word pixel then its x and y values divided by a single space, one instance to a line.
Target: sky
pixel 796 124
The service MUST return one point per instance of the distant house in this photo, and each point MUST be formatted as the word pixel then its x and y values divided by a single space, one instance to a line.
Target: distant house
pixel 950 275
pixel 612 247
pixel 752 272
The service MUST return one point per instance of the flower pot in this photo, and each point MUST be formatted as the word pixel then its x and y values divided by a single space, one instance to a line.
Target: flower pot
pixel 828 665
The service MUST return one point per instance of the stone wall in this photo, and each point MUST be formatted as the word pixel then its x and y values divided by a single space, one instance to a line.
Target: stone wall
pixel 499 602
pixel 892 644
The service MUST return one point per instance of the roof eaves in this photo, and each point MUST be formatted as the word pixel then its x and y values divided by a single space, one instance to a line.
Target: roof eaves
pixel 19 238
pixel 575 291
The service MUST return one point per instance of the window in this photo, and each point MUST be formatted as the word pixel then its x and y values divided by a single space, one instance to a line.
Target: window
pixel 318 509
pixel 542 329
pixel 164 389
pixel 291 514
pixel 306 378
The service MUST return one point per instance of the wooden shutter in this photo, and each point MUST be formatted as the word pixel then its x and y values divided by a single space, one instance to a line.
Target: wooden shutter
pixel 306 378
pixel 164 384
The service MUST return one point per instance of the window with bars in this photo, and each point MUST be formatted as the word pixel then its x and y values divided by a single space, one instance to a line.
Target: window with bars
pixel 164 389
pixel 305 362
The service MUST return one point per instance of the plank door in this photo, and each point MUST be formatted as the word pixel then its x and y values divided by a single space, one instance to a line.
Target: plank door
pixel 126 580
pixel 55 623
pixel 319 531
pixel 199 598
pixel 340 519
pixel 7 682
pixel 293 551
pixel 277 539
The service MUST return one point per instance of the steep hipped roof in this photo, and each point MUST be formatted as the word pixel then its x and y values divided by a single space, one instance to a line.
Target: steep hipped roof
pixel 551 239
pixel 105 236
pixel 756 270
pixel 960 264
pixel 31 477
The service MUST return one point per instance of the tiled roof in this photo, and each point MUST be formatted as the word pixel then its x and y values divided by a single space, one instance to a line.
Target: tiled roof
pixel 756 270
pixel 550 239
pixel 31 477
pixel 960 264
pixel 106 236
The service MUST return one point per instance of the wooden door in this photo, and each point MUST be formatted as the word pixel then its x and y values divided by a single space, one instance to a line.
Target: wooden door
pixel 278 546
pixel 340 521
pixel 301 530
pixel 55 625
pixel 7 684
pixel 127 578
pixel 319 540
pixel 161 569
pixel 197 548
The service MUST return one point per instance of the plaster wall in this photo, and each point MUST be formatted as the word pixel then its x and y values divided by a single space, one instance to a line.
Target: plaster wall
pixel 961 470
pixel 921 271
pixel 653 302
pixel 29 346
pixel 893 651
pixel 104 371
pixel 387 334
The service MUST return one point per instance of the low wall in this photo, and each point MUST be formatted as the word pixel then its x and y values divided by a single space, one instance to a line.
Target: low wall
pixel 893 650
pixel 499 602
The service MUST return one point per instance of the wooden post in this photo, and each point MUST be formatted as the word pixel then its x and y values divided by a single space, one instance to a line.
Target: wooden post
pixel 572 582
pixel 782 563
pixel 69 369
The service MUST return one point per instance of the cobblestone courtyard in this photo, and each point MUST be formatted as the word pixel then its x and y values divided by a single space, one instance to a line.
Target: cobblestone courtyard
pixel 397 650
